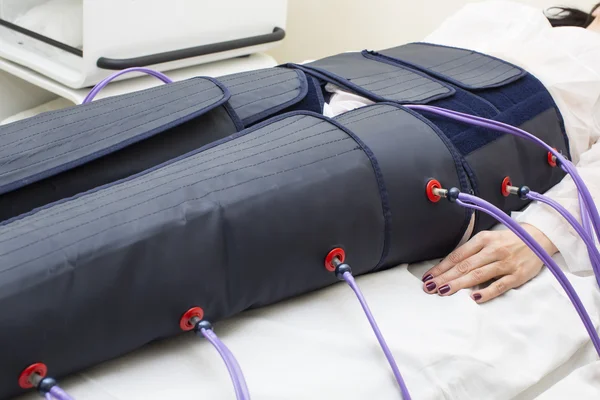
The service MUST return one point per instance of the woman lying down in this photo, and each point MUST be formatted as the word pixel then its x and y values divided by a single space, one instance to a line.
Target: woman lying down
pixel 562 49
pixel 566 59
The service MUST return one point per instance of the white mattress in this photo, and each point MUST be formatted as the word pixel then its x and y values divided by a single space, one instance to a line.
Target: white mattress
pixel 527 343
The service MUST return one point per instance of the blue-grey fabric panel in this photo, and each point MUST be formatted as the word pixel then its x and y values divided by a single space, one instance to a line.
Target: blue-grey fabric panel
pixel 133 159
pixel 239 225
pixel 258 94
pixel 380 81
pixel 53 142
pixel 465 68
pixel 399 138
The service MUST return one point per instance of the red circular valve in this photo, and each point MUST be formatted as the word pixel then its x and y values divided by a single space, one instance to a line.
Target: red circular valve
pixel 433 184
pixel 552 158
pixel 37 368
pixel 185 321
pixel 506 182
pixel 338 253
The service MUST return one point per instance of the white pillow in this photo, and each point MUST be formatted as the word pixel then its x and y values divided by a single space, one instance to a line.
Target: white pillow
pixel 61 20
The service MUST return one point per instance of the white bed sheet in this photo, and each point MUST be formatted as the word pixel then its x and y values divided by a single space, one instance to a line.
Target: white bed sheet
pixel 320 346
pixel 582 384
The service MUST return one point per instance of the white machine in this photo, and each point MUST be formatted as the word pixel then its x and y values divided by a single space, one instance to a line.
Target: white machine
pixel 53 51
pixel 79 42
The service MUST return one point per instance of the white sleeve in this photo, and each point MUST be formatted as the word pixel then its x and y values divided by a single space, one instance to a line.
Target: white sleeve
pixel 566 240
pixel 499 26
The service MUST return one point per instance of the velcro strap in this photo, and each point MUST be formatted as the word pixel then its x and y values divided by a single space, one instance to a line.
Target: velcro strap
pixel 51 143
pixel 377 79
pixel 259 94
pixel 465 68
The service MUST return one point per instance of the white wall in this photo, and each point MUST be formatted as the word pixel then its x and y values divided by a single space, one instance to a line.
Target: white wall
pixel 318 28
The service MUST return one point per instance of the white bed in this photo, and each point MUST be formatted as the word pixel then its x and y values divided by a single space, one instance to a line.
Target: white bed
pixel 527 343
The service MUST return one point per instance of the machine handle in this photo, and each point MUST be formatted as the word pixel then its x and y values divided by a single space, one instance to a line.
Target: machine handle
pixel 159 58
pixel 42 38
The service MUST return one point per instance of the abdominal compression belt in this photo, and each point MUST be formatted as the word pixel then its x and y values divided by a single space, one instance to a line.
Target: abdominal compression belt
pixel 117 216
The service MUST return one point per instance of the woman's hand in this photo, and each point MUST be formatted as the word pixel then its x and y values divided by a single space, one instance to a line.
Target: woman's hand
pixel 488 255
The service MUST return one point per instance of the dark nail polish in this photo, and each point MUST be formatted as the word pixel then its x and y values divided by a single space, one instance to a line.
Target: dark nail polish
pixel 430 286
pixel 427 277
pixel 444 289
pixel 476 297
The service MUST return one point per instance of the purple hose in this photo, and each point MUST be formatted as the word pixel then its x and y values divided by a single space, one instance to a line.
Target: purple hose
pixel 502 127
pixel 585 216
pixel 48 396
pixel 239 384
pixel 94 92
pixel 238 370
pixel 59 394
pixel 236 366
pixel 386 350
pixel 589 242
pixel 583 210
pixel 225 356
pixel 476 203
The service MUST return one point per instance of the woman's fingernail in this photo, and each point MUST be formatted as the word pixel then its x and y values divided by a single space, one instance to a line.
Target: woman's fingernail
pixel 476 297
pixel 427 277
pixel 430 286
pixel 444 289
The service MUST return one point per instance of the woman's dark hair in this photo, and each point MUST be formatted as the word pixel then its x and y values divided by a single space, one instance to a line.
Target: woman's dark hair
pixel 566 16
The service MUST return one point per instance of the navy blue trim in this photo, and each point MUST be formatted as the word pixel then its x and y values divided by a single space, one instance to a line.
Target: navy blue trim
pixel 239 125
pixel 118 146
pixel 383 193
pixel 467 185
pixel 474 188
pixel 314 73
pixel 264 114
pixel 387 213
pixel 451 90
pixel 378 175
pixel 139 174
pixel 462 139
pixel 561 120
pixel 483 100
pixel 486 101
pixel 452 80
pixel 563 130
pixel 319 91
pixel 472 177
pixel 459 160
pixel 342 82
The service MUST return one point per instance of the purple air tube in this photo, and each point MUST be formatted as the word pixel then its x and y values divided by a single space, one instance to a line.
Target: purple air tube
pixel 585 217
pixel 238 371
pixel 587 239
pixel 102 84
pixel 239 383
pixel 59 394
pixel 347 276
pixel 476 203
